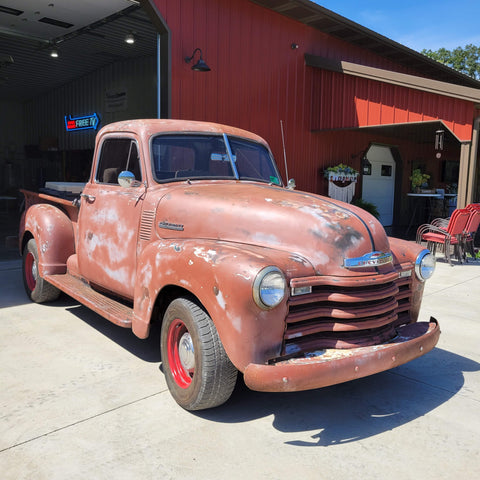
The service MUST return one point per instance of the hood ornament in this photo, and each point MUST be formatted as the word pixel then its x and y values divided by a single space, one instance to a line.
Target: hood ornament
pixel 372 259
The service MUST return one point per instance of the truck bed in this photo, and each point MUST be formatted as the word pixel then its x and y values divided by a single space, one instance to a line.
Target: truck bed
pixel 67 204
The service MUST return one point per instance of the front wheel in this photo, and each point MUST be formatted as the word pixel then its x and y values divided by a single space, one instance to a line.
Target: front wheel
pixel 38 289
pixel 198 372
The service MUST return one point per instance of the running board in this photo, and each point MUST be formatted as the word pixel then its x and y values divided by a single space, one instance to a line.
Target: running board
pixel 110 309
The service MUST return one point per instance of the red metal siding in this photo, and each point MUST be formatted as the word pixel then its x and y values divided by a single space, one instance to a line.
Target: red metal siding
pixel 257 80
pixel 368 102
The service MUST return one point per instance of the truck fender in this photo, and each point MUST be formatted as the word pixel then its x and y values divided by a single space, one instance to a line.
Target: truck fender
pixel 221 277
pixel 404 251
pixel 53 232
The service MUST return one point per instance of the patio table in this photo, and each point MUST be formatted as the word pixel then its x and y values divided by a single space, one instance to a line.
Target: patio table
pixel 426 200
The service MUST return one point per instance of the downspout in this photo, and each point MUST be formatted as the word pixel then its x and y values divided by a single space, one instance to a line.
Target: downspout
pixel 473 161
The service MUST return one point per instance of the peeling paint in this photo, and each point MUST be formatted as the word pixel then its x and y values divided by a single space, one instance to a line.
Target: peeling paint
pixel 248 278
pixel 221 301
pixel 177 248
pixel 209 256
pixel 266 238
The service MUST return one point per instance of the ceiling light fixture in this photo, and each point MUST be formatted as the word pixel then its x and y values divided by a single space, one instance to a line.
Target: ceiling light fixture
pixel 200 66
pixel 129 38
pixel 54 52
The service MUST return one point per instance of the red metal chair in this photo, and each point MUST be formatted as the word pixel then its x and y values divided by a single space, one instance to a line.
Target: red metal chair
pixel 448 236
pixel 471 229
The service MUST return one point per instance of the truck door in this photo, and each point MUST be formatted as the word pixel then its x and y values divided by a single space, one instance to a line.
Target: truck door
pixel 109 219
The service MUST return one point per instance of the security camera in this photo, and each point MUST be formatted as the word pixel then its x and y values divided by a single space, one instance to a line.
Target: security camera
pixel 5 59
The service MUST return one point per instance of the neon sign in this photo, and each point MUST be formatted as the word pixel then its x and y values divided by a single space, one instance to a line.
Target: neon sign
pixel 86 122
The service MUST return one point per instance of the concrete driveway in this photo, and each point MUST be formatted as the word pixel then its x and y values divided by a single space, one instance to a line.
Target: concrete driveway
pixel 83 399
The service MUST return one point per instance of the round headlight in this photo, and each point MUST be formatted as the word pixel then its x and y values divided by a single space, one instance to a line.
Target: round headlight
pixel 425 265
pixel 269 288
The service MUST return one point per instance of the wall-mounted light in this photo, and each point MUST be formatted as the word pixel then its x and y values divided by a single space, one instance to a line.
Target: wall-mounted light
pixel 54 52
pixel 129 38
pixel 366 166
pixel 200 66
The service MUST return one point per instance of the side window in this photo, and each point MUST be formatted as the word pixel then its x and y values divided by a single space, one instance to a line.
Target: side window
pixel 116 155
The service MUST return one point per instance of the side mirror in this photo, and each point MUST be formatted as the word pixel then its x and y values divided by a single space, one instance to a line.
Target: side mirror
pixel 126 179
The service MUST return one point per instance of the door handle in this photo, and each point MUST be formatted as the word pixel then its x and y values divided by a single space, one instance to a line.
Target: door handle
pixel 88 198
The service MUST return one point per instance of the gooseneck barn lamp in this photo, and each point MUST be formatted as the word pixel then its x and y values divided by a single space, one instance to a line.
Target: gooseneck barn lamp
pixel 200 66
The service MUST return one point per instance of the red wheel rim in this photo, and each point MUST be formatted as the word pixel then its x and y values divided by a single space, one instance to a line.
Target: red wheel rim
pixel 30 271
pixel 180 353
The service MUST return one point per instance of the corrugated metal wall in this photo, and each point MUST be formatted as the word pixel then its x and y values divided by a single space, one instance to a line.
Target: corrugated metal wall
pixel 11 146
pixel 87 95
pixel 11 129
pixel 343 101
pixel 258 79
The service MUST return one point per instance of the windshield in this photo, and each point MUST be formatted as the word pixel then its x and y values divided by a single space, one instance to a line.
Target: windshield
pixel 194 156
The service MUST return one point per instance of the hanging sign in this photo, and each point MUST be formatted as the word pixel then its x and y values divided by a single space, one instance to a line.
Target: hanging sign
pixel 342 177
pixel 86 122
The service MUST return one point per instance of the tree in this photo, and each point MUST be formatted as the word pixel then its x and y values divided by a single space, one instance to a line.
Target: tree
pixel 464 59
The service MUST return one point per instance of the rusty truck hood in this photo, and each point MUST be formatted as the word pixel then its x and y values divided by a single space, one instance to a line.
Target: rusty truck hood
pixel 321 230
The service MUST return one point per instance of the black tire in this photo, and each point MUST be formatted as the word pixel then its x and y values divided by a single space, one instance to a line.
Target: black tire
pixel 38 289
pixel 198 372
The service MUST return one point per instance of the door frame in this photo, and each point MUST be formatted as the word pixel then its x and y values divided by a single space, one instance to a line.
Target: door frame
pixel 399 168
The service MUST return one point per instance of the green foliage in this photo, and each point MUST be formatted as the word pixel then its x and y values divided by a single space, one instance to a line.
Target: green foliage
pixel 476 254
pixel 368 206
pixel 464 59
pixel 340 169
pixel 418 178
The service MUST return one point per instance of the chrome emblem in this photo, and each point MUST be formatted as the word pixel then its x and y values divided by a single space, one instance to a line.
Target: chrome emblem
pixel 372 259
pixel 171 226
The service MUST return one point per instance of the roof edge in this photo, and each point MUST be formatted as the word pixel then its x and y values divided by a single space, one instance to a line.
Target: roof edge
pixel 314 15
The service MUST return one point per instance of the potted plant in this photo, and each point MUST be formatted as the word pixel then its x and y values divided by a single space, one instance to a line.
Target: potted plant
pixel 418 179
pixel 368 206
pixel 341 172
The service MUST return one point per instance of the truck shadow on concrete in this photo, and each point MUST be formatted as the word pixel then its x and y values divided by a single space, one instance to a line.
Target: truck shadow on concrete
pixel 333 415
pixel 147 350
pixel 355 410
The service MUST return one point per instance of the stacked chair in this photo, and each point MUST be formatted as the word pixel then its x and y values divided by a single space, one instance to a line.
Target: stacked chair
pixel 470 230
pixel 458 232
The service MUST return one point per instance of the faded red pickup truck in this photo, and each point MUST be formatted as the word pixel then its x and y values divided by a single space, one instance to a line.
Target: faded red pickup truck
pixel 189 224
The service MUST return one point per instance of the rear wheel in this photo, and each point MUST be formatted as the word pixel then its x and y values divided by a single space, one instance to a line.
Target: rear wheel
pixel 38 289
pixel 198 372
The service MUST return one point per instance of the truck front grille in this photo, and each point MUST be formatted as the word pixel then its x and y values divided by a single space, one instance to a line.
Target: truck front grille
pixel 347 312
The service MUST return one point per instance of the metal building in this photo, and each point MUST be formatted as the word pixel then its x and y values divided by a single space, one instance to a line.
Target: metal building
pixel 314 84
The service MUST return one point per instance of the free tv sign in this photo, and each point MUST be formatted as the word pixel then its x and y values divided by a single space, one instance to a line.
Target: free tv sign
pixel 86 122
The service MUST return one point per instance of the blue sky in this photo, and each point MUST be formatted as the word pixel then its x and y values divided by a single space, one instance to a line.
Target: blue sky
pixel 417 24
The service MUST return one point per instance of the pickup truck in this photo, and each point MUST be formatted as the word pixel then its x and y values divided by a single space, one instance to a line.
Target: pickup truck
pixel 189 224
